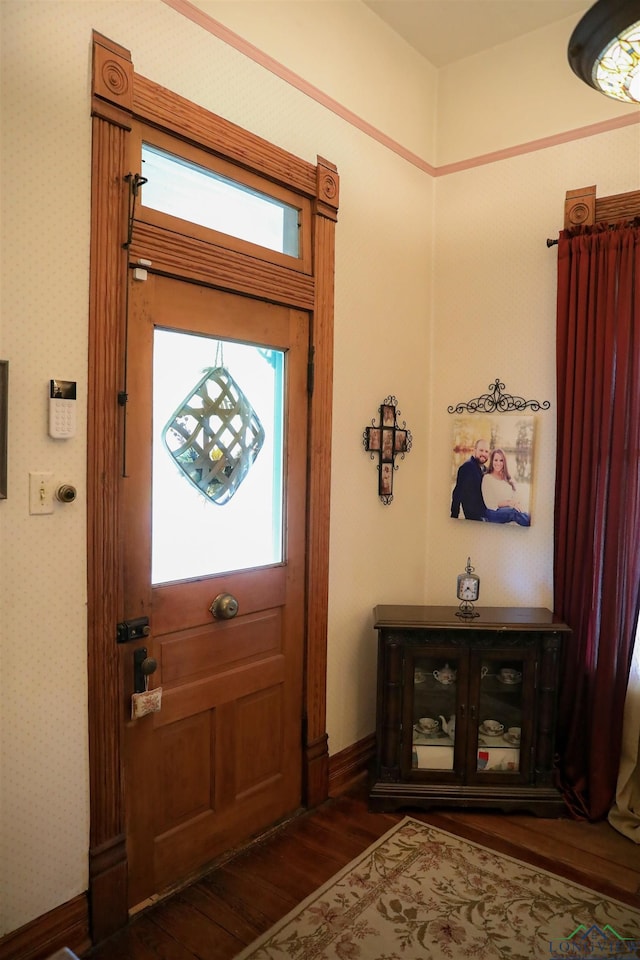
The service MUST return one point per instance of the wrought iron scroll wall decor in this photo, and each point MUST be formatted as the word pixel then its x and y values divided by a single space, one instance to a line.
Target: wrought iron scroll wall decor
pixel 388 439
pixel 498 402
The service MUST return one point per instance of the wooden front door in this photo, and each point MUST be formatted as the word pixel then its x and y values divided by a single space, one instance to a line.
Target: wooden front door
pixel 222 758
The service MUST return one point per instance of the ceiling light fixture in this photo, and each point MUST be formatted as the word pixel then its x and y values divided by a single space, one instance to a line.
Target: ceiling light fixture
pixel 604 49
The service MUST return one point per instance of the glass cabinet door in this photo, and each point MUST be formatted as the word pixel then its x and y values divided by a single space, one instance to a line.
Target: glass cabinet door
pixel 436 678
pixel 503 679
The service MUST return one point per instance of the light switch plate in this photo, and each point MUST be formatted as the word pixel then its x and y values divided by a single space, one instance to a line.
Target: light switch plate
pixel 41 493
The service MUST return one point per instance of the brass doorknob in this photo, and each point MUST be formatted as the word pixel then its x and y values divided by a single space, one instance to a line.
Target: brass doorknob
pixel 224 607
pixel 148 666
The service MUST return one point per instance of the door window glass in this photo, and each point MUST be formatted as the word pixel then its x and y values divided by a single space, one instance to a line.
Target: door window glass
pixel 194 535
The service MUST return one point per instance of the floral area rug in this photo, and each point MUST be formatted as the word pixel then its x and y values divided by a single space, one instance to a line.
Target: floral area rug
pixel 420 893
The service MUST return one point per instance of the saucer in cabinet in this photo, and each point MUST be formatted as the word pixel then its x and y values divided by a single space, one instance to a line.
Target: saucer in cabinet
pixel 490 733
pixel 435 734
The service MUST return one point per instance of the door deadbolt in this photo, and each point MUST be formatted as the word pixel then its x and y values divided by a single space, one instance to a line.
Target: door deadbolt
pixel 224 607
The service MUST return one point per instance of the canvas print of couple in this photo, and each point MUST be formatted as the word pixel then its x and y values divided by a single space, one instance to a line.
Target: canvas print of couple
pixel 492 469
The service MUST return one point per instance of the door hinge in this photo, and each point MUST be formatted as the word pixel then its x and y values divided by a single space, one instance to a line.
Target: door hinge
pixel 134 629
pixel 311 371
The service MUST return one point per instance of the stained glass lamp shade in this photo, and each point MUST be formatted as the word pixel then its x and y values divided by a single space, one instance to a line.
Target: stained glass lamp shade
pixel 604 49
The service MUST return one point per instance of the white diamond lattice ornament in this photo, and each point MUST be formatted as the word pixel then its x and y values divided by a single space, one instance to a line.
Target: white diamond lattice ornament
pixel 214 436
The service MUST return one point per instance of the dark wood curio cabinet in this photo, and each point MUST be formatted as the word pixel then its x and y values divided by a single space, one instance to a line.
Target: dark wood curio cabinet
pixel 466 709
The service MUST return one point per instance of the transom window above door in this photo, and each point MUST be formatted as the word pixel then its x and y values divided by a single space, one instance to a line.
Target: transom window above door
pixel 191 192
pixel 195 193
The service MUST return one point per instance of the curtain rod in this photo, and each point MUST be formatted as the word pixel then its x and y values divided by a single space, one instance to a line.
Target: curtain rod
pixel 631 222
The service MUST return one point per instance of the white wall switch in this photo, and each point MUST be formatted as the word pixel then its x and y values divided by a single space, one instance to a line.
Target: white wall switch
pixel 41 493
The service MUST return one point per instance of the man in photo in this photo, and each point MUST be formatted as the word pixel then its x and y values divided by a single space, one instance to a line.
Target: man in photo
pixel 467 492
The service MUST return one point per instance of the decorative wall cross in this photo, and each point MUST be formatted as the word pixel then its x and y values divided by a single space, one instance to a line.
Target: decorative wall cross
pixel 387 439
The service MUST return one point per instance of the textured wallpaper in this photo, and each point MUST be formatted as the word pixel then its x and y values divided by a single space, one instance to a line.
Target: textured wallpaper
pixel 441 286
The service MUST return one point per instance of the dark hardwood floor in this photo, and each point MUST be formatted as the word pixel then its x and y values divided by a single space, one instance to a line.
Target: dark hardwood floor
pixel 216 916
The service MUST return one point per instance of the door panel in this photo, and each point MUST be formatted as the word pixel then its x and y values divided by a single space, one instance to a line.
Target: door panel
pixel 185 769
pixel 258 590
pixel 217 647
pixel 222 758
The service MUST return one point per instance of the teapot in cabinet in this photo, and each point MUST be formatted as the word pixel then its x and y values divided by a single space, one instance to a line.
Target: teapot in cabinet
pixel 446 675
pixel 449 726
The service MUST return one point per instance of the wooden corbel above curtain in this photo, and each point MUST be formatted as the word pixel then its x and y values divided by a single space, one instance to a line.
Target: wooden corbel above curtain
pixel 583 208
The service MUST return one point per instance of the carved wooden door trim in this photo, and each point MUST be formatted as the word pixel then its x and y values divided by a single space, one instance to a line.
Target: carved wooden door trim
pixel 120 97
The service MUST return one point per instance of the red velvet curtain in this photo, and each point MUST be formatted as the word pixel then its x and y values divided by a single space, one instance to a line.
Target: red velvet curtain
pixel 597 507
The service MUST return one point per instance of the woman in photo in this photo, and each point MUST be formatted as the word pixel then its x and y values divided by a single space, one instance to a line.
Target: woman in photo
pixel 499 493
